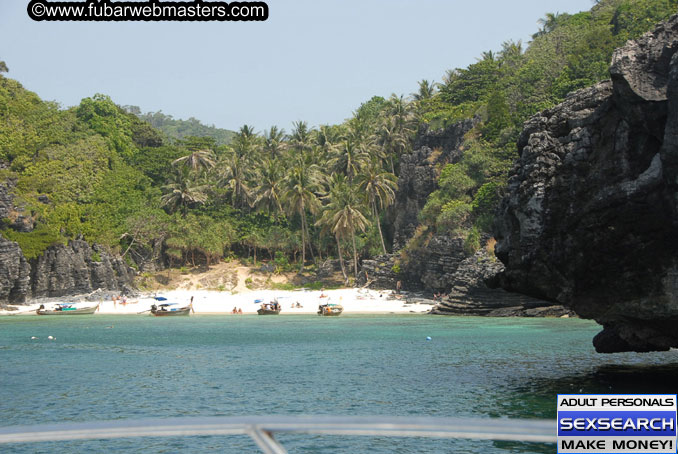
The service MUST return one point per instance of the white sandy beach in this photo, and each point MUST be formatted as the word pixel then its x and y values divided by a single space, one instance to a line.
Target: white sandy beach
pixel 354 301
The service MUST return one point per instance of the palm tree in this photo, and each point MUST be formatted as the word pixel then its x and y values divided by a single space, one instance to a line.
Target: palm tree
pixel 426 90
pixel 235 167
pixel 182 192
pixel 548 23
pixel 234 172
pixel 380 188
pixel 325 138
pixel 349 157
pixel 392 138
pixel 270 190
pixel 301 139
pixel 396 128
pixel 301 184
pixel 343 213
pixel 198 160
pixel 399 109
pixel 274 142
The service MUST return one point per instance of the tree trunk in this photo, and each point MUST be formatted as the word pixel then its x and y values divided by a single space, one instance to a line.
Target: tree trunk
pixel 376 217
pixel 355 257
pixel 310 243
pixel 303 243
pixel 341 261
pixel 128 248
pixel 381 235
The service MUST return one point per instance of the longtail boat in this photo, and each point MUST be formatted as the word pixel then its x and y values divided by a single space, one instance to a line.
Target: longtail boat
pixel 166 310
pixel 67 309
pixel 272 308
pixel 330 309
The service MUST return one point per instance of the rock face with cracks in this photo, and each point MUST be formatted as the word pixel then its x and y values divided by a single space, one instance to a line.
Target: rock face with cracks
pixel 591 214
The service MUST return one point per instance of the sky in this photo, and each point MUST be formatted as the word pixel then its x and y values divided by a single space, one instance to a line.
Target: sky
pixel 312 60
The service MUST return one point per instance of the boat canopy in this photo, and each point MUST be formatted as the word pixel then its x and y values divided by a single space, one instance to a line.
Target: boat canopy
pixel 168 304
pixel 160 298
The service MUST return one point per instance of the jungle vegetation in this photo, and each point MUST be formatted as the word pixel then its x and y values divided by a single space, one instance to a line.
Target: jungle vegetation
pixel 294 197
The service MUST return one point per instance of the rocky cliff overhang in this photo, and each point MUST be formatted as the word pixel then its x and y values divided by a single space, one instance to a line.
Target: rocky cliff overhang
pixel 591 214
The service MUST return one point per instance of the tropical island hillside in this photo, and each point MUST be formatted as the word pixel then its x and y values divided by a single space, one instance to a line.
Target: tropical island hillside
pixel 103 185
pixel 178 129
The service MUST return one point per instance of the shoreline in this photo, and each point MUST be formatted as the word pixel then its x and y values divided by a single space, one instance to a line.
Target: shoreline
pixel 212 302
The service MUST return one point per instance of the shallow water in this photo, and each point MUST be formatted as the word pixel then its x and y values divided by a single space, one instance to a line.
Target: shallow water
pixel 114 367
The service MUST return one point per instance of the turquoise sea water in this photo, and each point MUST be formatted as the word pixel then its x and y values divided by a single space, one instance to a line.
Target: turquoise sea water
pixel 112 367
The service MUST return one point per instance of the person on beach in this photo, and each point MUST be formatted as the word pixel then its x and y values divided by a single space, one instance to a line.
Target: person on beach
pixel 240 310
pixel 235 310
pixel 399 285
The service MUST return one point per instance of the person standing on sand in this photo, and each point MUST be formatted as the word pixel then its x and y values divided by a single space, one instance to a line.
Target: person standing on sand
pixel 399 285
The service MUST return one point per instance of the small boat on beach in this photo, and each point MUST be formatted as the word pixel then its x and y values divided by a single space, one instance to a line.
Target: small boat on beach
pixel 330 309
pixel 272 308
pixel 167 310
pixel 67 309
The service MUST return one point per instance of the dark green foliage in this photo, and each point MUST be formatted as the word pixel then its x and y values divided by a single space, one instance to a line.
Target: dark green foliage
pixel 505 88
pixel 33 244
pixel 156 162
pixel 471 84
pixel 78 158
pixel 198 239
pixel 143 183
pixel 110 121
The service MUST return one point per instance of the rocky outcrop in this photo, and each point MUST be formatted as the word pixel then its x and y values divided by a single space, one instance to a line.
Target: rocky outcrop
pixel 432 267
pixel 15 216
pixel 73 269
pixel 591 215
pixel 470 294
pixel 78 268
pixel 6 198
pixel 418 175
pixel 446 269
pixel 440 263
pixel 379 272
pixel 14 273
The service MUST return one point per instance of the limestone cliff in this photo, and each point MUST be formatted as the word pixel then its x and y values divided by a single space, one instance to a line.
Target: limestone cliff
pixel 15 273
pixel 591 215
pixel 440 263
pixel 62 270
pixel 78 268
pixel 418 174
